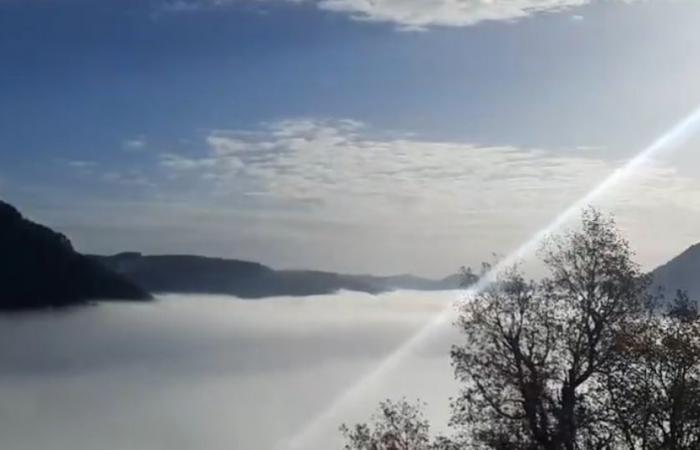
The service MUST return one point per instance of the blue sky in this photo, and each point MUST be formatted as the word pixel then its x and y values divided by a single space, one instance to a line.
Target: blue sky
pixel 381 136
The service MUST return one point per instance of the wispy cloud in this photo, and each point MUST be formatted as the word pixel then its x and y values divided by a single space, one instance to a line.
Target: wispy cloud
pixel 131 177
pixel 134 144
pixel 184 5
pixel 79 164
pixel 180 163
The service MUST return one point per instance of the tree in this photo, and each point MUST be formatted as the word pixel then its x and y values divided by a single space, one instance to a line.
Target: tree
pixel 582 359
pixel 654 387
pixel 534 352
pixel 397 426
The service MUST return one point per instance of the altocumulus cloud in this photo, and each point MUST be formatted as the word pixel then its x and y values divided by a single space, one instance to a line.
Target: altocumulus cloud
pixel 415 14
pixel 340 166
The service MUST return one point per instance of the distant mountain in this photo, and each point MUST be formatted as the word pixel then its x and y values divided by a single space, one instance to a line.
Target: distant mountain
pixel 412 282
pixel 39 268
pixel 682 272
pixel 198 274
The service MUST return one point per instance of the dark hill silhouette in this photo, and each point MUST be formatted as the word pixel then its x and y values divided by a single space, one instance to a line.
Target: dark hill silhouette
pixel 198 274
pixel 682 272
pixel 39 268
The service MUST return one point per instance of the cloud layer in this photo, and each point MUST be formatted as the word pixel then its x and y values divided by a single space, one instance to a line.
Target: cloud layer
pixel 341 195
pixel 215 373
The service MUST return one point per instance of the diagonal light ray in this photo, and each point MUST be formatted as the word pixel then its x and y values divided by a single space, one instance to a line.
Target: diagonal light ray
pixel 674 137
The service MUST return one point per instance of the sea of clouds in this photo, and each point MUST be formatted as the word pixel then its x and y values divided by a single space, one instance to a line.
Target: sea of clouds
pixel 214 373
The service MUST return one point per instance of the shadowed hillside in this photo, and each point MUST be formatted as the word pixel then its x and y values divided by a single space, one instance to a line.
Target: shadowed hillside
pixel 682 272
pixel 39 268
pixel 198 274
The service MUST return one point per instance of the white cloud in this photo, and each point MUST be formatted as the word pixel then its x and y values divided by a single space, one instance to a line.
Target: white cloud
pixel 421 14
pixel 413 14
pixel 180 163
pixel 134 144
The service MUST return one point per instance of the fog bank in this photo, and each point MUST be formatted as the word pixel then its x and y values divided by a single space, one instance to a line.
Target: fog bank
pixel 206 372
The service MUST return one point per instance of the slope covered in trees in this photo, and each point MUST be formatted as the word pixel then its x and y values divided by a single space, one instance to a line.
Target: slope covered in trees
pixel 39 268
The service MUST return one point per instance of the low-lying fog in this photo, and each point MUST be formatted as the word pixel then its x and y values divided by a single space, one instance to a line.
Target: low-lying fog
pixel 212 373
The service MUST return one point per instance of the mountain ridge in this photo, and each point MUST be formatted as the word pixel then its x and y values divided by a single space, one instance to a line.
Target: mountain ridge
pixel 248 279
pixel 682 272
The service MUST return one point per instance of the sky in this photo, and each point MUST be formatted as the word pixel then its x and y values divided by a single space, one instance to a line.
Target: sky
pixel 388 136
